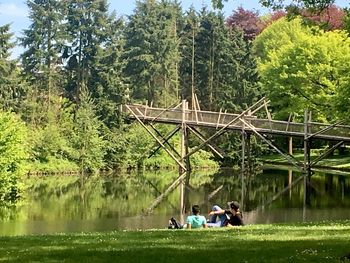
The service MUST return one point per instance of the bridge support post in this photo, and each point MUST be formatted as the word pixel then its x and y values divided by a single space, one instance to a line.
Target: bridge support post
pixel 243 149
pixel 184 160
pixel 307 144
pixel 249 153
pixel 243 164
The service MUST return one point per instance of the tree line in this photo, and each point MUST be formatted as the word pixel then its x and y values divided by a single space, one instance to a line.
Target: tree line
pixel 81 62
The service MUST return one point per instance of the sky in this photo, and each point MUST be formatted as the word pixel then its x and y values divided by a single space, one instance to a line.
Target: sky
pixel 15 12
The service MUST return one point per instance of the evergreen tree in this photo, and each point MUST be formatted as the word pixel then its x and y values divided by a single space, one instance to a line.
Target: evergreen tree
pixel 88 28
pixel 152 50
pixel 86 135
pixel 10 88
pixel 43 108
pixel 226 73
pixel 188 55
pixel 205 58
pixel 108 85
pixel 225 69
pixel 43 44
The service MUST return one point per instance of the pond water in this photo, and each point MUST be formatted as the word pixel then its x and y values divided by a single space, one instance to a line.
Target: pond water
pixel 54 204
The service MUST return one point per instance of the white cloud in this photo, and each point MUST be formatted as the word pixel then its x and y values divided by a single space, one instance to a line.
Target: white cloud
pixel 13 10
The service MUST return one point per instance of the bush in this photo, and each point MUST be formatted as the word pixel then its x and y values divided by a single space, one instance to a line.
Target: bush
pixel 13 152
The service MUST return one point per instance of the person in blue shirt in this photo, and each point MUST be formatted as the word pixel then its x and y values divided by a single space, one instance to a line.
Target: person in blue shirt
pixel 196 220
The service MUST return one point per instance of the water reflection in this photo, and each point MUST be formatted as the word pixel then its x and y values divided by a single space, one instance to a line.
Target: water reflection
pixel 122 201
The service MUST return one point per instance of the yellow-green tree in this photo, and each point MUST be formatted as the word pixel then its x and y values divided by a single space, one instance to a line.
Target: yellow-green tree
pixel 304 67
pixel 13 153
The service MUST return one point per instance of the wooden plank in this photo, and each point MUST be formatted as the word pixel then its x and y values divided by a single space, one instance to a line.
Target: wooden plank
pixel 164 110
pixel 218 121
pixel 289 119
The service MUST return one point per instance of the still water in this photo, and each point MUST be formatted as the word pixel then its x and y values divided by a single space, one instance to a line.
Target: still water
pixel 54 204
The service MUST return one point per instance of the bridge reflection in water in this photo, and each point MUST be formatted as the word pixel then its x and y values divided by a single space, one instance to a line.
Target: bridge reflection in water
pixel 119 201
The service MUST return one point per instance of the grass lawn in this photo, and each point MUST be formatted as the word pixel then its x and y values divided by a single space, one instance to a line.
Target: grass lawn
pixel 335 161
pixel 321 242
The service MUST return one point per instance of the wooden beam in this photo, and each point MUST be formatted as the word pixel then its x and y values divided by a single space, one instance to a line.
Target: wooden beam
pixel 258 108
pixel 160 198
pixel 164 110
pixel 268 115
pixel 289 120
pixel 155 137
pixel 165 140
pixel 306 143
pixel 223 129
pixel 325 129
pixel 197 133
pixel 218 121
pixel 290 159
pixel 325 154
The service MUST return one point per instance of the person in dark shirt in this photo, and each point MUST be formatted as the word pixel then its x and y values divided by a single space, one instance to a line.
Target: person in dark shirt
pixel 228 217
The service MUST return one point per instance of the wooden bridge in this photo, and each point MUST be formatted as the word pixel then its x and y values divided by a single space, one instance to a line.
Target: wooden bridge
pixel 251 123
pixel 247 122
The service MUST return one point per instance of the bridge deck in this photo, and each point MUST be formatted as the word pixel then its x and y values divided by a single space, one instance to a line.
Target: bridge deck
pixel 219 120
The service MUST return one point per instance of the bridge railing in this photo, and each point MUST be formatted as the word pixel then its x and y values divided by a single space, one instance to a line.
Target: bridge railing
pixel 143 111
pixel 298 128
pixel 221 119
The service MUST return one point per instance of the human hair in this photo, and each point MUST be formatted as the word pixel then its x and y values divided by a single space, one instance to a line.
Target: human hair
pixel 195 209
pixel 234 205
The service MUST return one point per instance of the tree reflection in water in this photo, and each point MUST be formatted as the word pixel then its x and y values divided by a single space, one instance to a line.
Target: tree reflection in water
pixel 119 201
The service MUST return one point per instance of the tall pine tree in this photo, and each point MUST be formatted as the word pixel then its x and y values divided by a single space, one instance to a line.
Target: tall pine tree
pixel 10 87
pixel 152 50
pixel 43 43
pixel 88 28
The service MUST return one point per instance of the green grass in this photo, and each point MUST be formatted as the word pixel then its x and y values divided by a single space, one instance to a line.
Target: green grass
pixel 335 161
pixel 321 242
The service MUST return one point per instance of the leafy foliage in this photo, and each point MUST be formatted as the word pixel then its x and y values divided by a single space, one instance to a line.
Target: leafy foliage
pixel 248 21
pixel 13 151
pixel 303 67
pixel 311 4
pixel 81 63
pixel 330 18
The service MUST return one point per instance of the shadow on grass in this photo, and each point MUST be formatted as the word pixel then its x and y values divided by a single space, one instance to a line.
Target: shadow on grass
pixel 169 251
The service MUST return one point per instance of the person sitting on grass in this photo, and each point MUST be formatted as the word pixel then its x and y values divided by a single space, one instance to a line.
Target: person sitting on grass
pixel 196 220
pixel 230 217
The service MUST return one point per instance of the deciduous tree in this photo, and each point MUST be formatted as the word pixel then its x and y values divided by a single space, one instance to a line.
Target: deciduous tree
pixel 13 151
pixel 303 67
pixel 247 21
